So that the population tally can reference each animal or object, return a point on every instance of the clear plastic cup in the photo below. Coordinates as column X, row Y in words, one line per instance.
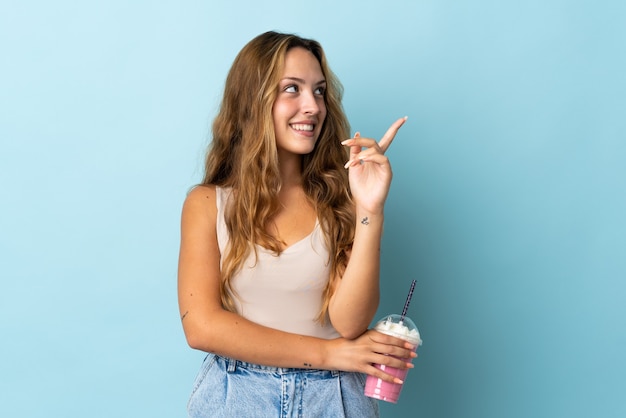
column 399, row 327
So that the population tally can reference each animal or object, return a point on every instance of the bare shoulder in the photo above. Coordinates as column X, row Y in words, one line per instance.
column 201, row 194
column 201, row 198
column 198, row 226
column 199, row 207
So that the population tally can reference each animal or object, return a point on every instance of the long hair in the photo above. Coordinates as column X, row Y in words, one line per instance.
column 243, row 156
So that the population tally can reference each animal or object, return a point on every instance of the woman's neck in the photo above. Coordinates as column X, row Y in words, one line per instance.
column 290, row 167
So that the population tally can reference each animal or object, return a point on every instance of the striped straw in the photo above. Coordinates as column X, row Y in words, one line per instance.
column 408, row 300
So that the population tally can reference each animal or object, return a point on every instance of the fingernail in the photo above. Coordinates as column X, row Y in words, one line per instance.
column 398, row 381
column 347, row 164
column 345, row 142
column 410, row 365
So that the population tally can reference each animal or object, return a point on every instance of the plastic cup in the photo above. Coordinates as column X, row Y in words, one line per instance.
column 399, row 327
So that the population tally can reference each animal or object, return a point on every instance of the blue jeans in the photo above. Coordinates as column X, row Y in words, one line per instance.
column 231, row 388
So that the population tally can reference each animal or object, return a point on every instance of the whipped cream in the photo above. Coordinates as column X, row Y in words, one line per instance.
column 402, row 329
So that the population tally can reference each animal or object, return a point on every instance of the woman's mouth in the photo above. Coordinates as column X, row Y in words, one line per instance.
column 302, row 127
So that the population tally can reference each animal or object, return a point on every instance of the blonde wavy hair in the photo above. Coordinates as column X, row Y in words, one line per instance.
column 243, row 156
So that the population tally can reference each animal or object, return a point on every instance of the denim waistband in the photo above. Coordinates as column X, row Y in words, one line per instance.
column 233, row 364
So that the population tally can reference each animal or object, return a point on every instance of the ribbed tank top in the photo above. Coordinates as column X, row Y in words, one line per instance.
column 282, row 292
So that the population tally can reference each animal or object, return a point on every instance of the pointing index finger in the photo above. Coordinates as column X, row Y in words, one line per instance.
column 391, row 133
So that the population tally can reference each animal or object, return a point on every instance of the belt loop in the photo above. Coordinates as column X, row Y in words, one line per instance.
column 335, row 373
column 232, row 365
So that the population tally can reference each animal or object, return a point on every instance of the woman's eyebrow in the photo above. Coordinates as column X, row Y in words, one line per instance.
column 301, row 81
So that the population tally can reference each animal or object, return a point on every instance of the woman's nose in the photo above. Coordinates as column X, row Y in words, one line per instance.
column 310, row 104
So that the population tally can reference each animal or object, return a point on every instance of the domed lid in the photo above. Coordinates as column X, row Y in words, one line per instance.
column 399, row 327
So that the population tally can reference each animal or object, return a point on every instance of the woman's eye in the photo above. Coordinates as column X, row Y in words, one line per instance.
column 291, row 89
column 320, row 91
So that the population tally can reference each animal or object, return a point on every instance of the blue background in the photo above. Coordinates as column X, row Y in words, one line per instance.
column 507, row 205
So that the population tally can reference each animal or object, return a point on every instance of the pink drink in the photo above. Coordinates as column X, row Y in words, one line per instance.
column 405, row 329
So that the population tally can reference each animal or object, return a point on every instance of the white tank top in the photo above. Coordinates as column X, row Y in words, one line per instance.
column 281, row 292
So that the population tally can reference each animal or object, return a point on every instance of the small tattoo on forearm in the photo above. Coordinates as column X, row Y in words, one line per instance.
column 184, row 315
column 365, row 221
column 309, row 365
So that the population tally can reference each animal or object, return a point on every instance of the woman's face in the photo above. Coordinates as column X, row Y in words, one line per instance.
column 299, row 110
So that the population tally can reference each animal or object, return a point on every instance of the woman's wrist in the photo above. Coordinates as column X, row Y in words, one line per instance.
column 366, row 216
column 327, row 354
column 369, row 221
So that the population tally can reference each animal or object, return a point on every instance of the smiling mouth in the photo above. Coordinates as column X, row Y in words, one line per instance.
column 303, row 127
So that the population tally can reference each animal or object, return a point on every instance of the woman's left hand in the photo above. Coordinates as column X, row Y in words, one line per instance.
column 370, row 172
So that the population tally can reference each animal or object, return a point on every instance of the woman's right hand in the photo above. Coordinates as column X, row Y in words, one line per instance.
column 372, row 347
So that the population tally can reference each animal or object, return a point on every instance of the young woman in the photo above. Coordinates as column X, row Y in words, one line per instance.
column 280, row 245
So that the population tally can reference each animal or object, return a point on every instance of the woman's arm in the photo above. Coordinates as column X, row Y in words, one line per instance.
column 208, row 327
column 356, row 296
column 355, row 299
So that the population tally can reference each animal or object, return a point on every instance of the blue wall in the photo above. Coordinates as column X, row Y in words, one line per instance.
column 507, row 205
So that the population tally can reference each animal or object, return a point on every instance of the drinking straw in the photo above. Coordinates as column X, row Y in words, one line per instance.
column 408, row 300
